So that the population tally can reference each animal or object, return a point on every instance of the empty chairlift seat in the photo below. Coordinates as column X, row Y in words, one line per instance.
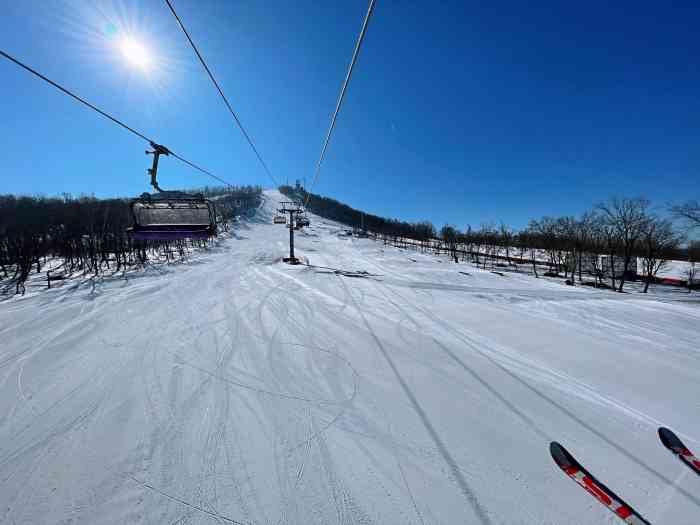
column 279, row 219
column 172, row 215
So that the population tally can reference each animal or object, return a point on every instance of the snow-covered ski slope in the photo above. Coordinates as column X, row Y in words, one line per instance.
column 237, row 389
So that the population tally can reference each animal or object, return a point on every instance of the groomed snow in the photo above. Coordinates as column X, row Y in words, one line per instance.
column 237, row 389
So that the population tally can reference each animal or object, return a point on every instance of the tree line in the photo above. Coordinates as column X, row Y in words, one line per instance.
column 617, row 240
column 339, row 212
column 86, row 234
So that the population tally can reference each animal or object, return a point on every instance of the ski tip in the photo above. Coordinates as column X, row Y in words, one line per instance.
column 560, row 455
column 669, row 439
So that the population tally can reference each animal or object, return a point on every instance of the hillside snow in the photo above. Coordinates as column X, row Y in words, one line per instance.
column 237, row 389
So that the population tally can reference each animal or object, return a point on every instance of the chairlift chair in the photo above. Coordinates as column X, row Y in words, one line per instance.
column 170, row 215
column 279, row 219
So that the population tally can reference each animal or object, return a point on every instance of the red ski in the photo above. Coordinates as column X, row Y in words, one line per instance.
column 672, row 442
column 603, row 494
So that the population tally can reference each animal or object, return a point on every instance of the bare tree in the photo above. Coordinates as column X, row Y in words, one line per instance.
column 506, row 234
column 543, row 233
column 693, row 263
column 569, row 245
column 657, row 240
column 449, row 235
column 583, row 232
column 528, row 242
column 688, row 212
column 610, row 244
column 627, row 218
column 489, row 234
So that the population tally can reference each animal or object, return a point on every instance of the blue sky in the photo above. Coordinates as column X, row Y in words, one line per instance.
column 458, row 112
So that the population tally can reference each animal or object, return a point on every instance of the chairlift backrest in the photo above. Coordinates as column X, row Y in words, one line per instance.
column 172, row 216
column 171, row 213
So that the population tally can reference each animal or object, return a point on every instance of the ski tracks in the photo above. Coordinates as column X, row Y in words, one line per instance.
column 468, row 493
column 489, row 353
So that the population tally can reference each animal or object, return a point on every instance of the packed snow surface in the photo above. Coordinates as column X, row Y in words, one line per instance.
column 234, row 388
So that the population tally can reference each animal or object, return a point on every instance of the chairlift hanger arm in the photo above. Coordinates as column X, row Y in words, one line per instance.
column 158, row 150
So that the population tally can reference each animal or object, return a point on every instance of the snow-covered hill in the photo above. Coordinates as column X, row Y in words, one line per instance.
column 238, row 389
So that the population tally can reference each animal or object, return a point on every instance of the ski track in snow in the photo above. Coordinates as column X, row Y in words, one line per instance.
column 372, row 386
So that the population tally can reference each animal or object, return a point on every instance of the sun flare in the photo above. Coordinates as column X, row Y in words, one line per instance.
column 135, row 52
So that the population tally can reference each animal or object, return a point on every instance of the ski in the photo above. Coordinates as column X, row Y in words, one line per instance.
column 603, row 494
column 672, row 442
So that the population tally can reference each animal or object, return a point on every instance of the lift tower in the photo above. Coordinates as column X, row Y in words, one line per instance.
column 294, row 209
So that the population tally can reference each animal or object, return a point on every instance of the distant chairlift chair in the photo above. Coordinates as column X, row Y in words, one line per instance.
column 279, row 219
column 170, row 215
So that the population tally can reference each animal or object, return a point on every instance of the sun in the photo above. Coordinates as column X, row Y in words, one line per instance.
column 135, row 52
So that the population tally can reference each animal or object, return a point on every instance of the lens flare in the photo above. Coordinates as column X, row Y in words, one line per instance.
column 135, row 53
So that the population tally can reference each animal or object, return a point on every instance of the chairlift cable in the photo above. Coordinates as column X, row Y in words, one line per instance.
column 76, row 97
column 106, row 115
column 193, row 165
column 341, row 97
column 221, row 92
